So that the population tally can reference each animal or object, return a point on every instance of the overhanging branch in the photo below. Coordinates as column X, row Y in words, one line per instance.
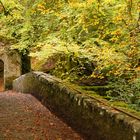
column 4, row 9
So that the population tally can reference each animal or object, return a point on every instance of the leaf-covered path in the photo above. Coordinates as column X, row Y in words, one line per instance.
column 23, row 117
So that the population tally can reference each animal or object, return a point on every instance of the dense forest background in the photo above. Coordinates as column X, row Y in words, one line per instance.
column 88, row 42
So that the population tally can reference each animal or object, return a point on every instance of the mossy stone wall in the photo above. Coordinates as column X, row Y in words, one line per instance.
column 93, row 119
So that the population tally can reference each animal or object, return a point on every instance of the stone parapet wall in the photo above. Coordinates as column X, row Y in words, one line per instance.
column 94, row 120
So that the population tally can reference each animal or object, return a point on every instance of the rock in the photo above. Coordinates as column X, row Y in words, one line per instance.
column 90, row 81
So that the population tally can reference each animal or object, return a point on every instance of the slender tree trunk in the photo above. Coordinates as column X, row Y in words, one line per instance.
column 4, row 9
column 2, row 6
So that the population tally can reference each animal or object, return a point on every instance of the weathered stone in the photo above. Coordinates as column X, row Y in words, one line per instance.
column 12, row 64
column 94, row 120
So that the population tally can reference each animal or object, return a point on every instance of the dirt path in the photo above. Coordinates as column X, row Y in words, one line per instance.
column 22, row 117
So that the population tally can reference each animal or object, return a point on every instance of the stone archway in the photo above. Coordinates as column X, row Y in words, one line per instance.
column 1, row 75
column 12, row 64
column 10, row 67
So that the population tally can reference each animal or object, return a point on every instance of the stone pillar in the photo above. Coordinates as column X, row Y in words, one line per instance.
column 12, row 68
column 15, row 64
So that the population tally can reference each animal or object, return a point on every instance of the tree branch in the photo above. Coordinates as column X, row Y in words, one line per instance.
column 4, row 9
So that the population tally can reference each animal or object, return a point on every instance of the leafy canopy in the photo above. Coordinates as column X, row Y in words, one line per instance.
column 105, row 31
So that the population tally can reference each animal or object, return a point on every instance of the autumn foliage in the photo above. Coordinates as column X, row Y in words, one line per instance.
column 106, row 32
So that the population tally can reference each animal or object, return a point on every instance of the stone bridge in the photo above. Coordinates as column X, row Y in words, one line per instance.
column 23, row 117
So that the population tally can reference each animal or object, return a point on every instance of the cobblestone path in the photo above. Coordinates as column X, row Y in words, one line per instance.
column 23, row 117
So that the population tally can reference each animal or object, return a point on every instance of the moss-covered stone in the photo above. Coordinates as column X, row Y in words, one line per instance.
column 92, row 118
column 66, row 66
